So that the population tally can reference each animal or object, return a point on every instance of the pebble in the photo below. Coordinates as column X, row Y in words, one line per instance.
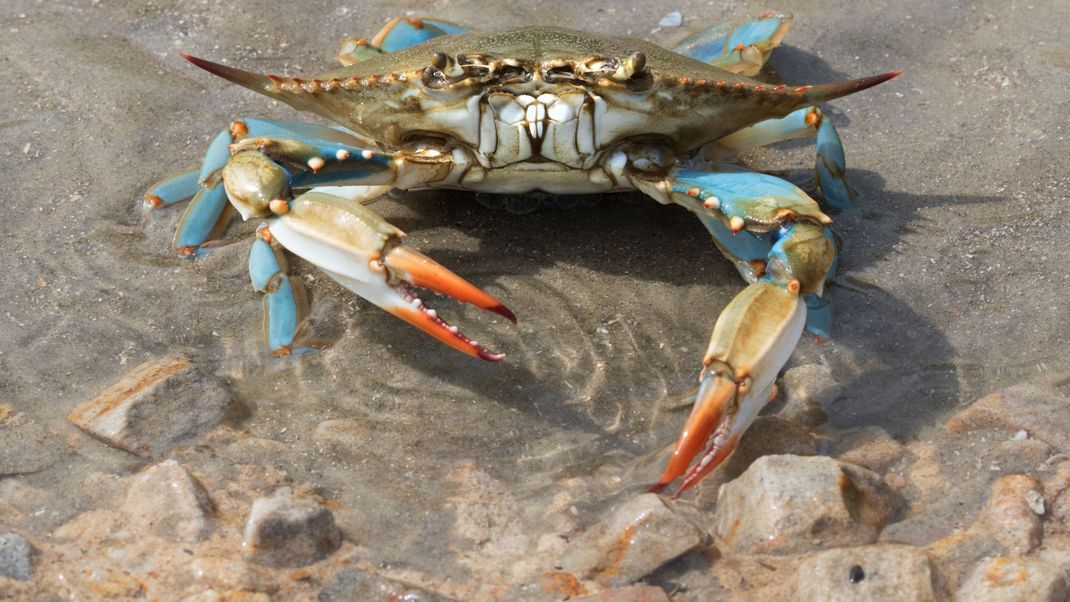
column 673, row 19
column 155, row 406
column 791, row 504
column 355, row 584
column 167, row 500
column 286, row 531
column 1009, row 516
column 880, row 572
column 631, row 541
column 1013, row 580
column 15, row 557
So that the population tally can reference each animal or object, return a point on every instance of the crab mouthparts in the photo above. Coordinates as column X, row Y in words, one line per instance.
column 410, row 270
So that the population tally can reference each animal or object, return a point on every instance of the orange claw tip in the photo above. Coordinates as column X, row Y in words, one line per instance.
column 706, row 414
column 439, row 329
column 503, row 311
column 153, row 201
column 425, row 272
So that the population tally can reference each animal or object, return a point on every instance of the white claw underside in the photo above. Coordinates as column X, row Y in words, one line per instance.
column 352, row 266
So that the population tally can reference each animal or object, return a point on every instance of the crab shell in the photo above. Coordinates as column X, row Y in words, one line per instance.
column 536, row 95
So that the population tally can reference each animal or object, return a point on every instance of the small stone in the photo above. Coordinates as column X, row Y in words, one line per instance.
column 635, row 593
column 869, row 447
column 285, row 531
column 168, row 501
column 155, row 406
column 880, row 572
column 673, row 19
column 808, row 390
column 1013, row 580
column 1008, row 515
column 636, row 538
column 1035, row 407
column 792, row 504
column 15, row 557
column 1035, row 501
column 355, row 584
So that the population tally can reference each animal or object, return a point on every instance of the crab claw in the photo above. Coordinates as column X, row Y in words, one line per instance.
column 751, row 342
column 363, row 252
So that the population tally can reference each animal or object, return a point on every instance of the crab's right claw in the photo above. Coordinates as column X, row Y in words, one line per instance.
column 363, row 252
column 751, row 342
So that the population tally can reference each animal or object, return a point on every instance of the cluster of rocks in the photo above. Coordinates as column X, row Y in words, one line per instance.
column 870, row 523
column 871, row 519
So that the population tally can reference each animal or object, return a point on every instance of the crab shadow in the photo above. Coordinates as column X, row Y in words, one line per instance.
column 909, row 373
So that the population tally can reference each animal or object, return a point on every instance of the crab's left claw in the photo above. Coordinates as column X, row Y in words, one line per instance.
column 363, row 252
column 751, row 342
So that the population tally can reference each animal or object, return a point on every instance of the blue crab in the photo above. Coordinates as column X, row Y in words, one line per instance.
column 426, row 104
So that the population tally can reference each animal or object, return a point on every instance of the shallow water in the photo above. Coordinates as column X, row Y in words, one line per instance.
column 952, row 282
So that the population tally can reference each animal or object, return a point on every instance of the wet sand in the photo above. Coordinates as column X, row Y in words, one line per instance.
column 951, row 282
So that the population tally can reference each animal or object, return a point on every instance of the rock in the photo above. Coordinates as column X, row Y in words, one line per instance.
column 1013, row 580
column 869, row 447
column 168, row 501
column 808, row 390
column 673, row 19
column 1038, row 408
column 1057, row 489
column 954, row 555
column 792, row 504
column 285, row 531
column 15, row 557
column 155, row 406
column 28, row 448
column 636, row 538
column 355, row 584
column 636, row 593
column 1009, row 514
column 880, row 572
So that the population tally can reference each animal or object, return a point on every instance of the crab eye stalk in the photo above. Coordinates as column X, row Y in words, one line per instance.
column 444, row 70
column 440, row 61
column 632, row 72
